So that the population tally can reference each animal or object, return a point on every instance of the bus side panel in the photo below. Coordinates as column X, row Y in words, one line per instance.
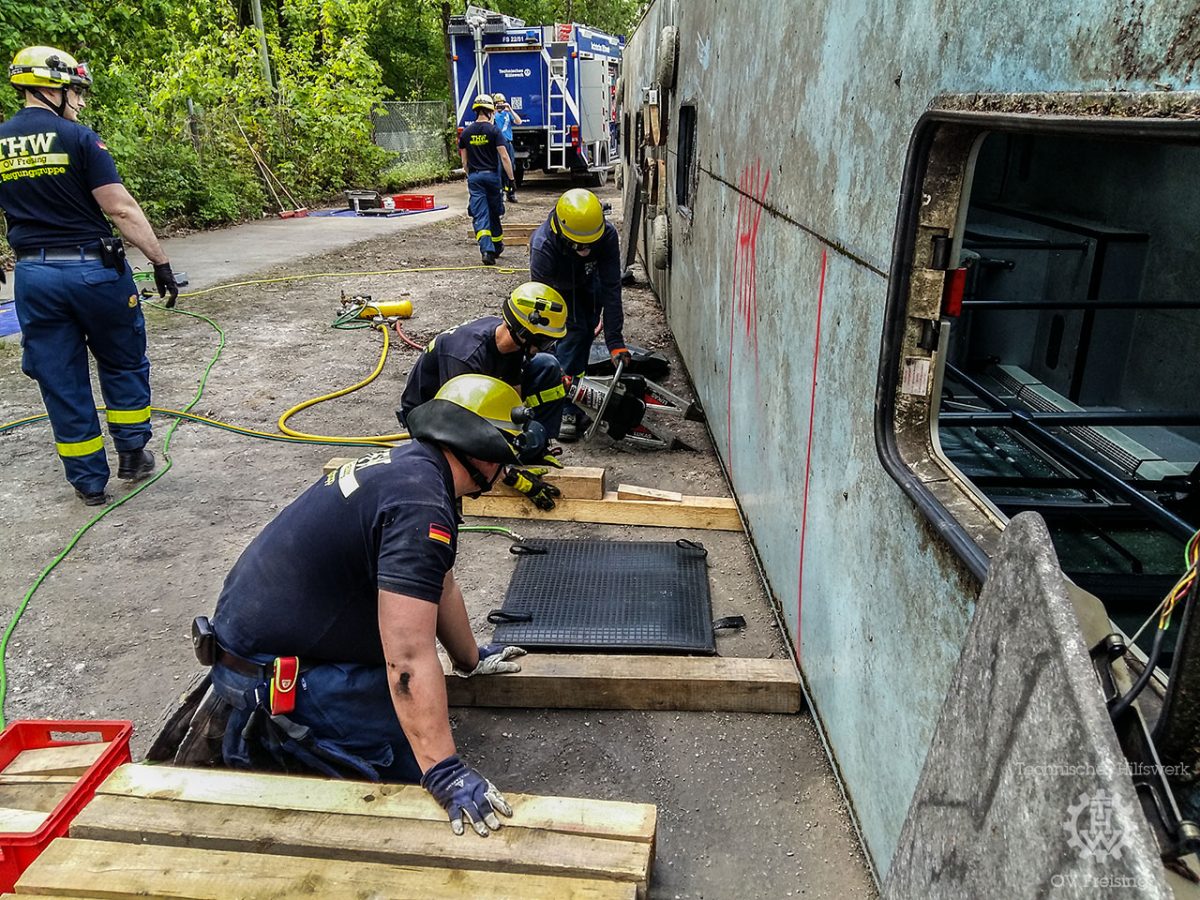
column 776, row 291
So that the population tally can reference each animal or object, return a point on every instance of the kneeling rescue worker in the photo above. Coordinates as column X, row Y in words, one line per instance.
column 515, row 348
column 324, row 640
column 74, row 290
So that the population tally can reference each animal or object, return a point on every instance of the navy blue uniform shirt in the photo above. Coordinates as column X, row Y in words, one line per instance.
column 588, row 283
column 480, row 140
column 308, row 584
column 467, row 348
column 48, row 170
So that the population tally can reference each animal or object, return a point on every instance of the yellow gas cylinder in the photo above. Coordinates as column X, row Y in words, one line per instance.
column 400, row 309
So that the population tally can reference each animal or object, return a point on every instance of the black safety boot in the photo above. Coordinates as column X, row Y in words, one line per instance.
column 489, row 258
column 134, row 465
column 97, row 498
column 512, row 196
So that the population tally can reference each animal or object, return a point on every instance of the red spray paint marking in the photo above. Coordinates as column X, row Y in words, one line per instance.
column 812, row 408
column 745, row 281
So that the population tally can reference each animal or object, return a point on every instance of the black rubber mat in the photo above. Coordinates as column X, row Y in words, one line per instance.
column 608, row 595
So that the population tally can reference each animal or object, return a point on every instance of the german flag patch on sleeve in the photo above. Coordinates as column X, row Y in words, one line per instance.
column 439, row 533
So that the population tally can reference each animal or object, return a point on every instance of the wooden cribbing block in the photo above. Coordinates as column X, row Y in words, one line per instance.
column 575, row 482
column 67, row 759
column 18, row 820
column 41, row 797
column 603, row 681
column 594, row 818
column 712, row 513
column 70, row 867
column 391, row 840
column 633, row 492
column 336, row 463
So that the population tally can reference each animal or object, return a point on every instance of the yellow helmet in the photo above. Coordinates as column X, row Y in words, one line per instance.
column 484, row 101
column 472, row 414
column 499, row 98
column 578, row 217
column 48, row 67
column 536, row 313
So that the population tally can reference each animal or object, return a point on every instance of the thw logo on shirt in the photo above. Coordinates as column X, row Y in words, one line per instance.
column 479, row 140
column 28, row 144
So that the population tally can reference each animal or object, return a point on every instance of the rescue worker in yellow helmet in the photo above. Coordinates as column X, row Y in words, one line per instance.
column 577, row 252
column 353, row 585
column 483, row 153
column 74, row 291
column 515, row 348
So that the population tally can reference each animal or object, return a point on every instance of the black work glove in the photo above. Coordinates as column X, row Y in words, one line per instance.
column 620, row 354
column 463, row 792
column 530, row 483
column 164, row 280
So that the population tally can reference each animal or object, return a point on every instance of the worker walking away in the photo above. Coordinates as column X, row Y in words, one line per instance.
column 506, row 118
column 74, row 291
column 577, row 252
column 481, row 147
column 324, row 640
column 515, row 348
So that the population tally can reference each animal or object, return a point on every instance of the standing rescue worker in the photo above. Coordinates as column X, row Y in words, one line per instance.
column 514, row 348
column 481, row 148
column 506, row 117
column 324, row 640
column 74, row 290
column 577, row 252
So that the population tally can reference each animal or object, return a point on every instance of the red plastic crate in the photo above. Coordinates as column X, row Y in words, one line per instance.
column 19, row 849
column 413, row 201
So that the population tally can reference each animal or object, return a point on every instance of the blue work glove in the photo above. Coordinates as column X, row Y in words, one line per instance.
column 494, row 660
column 464, row 793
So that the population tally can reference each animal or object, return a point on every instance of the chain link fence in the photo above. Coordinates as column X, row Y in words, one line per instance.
column 415, row 132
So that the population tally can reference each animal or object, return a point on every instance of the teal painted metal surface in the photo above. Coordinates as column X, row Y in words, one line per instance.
column 776, row 295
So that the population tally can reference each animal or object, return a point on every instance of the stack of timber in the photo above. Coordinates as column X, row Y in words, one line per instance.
column 201, row 833
column 516, row 234
column 37, row 780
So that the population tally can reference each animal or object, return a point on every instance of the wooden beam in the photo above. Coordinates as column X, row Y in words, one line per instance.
column 575, row 482
column 41, row 797
column 70, row 867
column 21, row 820
column 323, row 835
column 603, row 681
column 336, row 463
column 594, row 818
column 712, row 513
column 633, row 492
column 67, row 759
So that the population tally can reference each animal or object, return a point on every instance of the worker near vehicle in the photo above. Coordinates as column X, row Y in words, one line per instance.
column 481, row 148
column 74, row 290
column 506, row 117
column 324, row 640
column 513, row 347
column 577, row 252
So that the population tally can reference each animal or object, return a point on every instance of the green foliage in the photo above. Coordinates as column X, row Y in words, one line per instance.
column 180, row 97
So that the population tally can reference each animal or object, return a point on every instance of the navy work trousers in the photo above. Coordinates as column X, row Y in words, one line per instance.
column 67, row 307
column 542, row 391
column 486, row 208
column 344, row 724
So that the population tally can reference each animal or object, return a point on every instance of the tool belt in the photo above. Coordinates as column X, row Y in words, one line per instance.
column 110, row 251
column 209, row 651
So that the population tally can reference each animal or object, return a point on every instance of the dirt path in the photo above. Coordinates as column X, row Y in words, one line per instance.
column 742, row 799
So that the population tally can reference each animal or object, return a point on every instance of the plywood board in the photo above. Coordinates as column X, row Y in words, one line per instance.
column 711, row 513
column 575, row 482
column 70, row 867
column 336, row 463
column 596, row 818
column 69, row 759
column 610, row 681
column 633, row 492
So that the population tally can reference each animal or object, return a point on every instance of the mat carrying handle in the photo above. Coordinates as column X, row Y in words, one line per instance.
column 500, row 617
column 685, row 544
column 526, row 550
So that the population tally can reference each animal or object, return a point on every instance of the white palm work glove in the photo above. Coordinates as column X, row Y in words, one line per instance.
column 494, row 660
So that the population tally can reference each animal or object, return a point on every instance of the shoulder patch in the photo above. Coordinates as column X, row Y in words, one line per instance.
column 439, row 533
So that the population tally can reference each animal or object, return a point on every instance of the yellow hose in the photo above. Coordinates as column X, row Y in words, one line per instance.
column 384, row 440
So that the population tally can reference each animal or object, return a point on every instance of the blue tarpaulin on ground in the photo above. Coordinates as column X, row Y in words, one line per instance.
column 8, row 319
column 373, row 214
